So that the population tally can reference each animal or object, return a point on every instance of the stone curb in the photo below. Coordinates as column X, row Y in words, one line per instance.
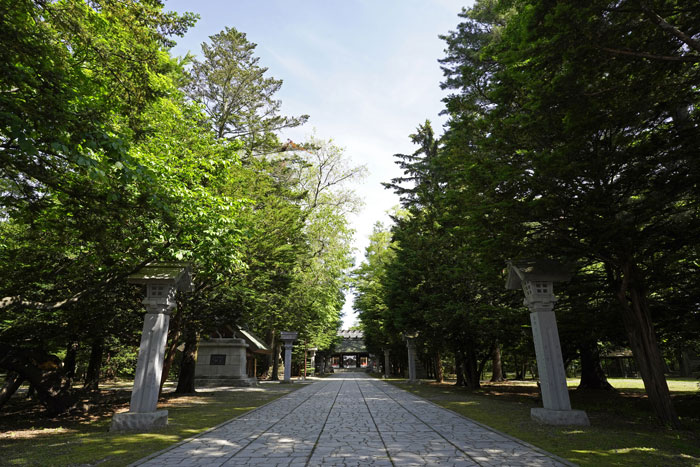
column 505, row 435
column 143, row 460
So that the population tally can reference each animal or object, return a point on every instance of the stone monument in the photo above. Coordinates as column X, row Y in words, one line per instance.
column 162, row 281
column 222, row 362
column 288, row 338
column 536, row 278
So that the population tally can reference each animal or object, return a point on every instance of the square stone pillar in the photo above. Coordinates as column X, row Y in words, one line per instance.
column 288, row 338
column 149, row 366
column 162, row 282
column 387, row 363
column 537, row 281
column 411, row 346
column 550, row 364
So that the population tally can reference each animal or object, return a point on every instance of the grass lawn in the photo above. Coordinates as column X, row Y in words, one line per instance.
column 623, row 430
column 27, row 437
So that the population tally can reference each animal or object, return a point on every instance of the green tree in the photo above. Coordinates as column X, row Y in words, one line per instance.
column 370, row 294
column 316, row 295
column 129, row 176
column 70, row 100
column 239, row 99
column 441, row 283
column 586, row 145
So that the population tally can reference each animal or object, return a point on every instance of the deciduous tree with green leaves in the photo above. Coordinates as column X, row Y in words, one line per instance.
column 106, row 167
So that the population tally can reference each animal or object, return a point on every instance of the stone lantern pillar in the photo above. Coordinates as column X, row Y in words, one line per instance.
column 536, row 278
column 288, row 338
column 387, row 363
column 411, row 346
column 312, row 357
column 162, row 281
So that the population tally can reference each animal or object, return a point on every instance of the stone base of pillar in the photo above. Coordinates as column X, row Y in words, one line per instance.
column 559, row 417
column 214, row 382
column 286, row 381
column 139, row 421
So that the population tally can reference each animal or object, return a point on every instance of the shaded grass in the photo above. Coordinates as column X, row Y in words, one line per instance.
column 623, row 430
column 27, row 437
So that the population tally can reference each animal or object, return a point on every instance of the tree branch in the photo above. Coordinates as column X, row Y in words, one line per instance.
column 6, row 302
column 668, row 58
column 669, row 28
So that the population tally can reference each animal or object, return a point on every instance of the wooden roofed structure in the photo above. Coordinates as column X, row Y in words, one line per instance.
column 351, row 352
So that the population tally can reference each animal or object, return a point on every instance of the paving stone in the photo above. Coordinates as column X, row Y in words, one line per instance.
column 351, row 419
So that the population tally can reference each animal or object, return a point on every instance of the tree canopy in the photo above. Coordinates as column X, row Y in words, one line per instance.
column 572, row 134
column 115, row 154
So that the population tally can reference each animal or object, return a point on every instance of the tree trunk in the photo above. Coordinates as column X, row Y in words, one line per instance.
column 44, row 373
column 439, row 371
column 592, row 374
column 684, row 365
column 497, row 373
column 640, row 330
column 520, row 369
column 185, row 380
column 12, row 383
column 275, row 360
column 471, row 371
column 459, row 368
column 69, row 363
column 92, row 376
column 109, row 373
column 272, row 339
column 480, row 368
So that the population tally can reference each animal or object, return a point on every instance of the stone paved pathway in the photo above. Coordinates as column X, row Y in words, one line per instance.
column 352, row 420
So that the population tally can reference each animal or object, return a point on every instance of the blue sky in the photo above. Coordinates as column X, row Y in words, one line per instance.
column 365, row 71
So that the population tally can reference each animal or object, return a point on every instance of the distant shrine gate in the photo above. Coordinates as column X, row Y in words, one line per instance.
column 351, row 352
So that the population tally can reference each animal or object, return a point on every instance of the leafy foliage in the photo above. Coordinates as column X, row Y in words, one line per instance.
column 572, row 133
column 114, row 155
column 236, row 94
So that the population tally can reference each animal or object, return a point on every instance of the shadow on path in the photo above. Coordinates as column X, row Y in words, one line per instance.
column 351, row 419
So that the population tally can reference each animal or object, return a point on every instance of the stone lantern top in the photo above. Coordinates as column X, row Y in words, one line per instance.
column 162, row 280
column 537, row 270
column 536, row 278
column 176, row 275
column 410, row 338
column 288, row 335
